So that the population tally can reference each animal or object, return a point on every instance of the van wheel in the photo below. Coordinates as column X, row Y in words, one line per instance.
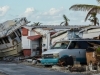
column 62, row 61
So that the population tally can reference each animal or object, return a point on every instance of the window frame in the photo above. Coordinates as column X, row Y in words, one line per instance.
column 6, row 40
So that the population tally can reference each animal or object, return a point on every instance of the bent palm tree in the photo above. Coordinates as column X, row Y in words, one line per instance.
column 93, row 10
column 66, row 21
column 37, row 24
column 92, row 18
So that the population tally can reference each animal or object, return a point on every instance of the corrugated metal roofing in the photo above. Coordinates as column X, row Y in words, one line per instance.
column 56, row 26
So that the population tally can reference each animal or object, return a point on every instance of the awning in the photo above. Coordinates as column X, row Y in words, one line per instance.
column 34, row 37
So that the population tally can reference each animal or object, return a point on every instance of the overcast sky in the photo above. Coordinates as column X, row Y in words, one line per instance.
column 45, row 11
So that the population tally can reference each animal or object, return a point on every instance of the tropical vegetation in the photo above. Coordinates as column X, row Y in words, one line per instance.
column 92, row 11
column 92, row 17
column 65, row 22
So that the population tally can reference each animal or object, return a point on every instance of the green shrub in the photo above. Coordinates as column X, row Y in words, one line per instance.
column 98, row 49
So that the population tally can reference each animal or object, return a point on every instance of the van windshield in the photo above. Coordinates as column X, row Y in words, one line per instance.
column 60, row 45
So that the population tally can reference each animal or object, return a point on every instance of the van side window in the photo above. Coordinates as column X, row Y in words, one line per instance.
column 72, row 45
column 83, row 44
column 79, row 45
column 60, row 45
column 63, row 45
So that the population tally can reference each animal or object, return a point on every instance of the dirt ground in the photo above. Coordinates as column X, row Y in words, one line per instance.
column 60, row 70
column 39, row 66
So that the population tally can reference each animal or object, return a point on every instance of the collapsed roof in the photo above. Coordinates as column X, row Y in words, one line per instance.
column 11, row 25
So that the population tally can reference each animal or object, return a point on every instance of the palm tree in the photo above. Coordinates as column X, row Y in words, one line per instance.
column 86, row 7
column 37, row 24
column 92, row 18
column 98, row 1
column 93, row 10
column 65, row 21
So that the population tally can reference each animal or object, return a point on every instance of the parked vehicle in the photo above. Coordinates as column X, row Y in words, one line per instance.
column 66, row 48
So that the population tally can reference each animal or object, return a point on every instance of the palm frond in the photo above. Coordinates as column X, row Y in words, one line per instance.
column 88, row 14
column 65, row 18
column 37, row 23
column 95, row 9
column 98, row 1
column 81, row 7
column 61, row 23
column 92, row 8
column 91, row 12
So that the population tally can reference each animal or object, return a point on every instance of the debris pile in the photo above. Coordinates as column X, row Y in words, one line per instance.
column 93, row 57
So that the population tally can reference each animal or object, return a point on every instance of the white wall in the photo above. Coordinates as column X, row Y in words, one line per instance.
column 25, row 43
column 91, row 33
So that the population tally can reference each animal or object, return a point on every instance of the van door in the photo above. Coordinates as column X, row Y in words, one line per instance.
column 75, row 50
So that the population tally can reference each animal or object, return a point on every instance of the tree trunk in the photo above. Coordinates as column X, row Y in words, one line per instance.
column 95, row 21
